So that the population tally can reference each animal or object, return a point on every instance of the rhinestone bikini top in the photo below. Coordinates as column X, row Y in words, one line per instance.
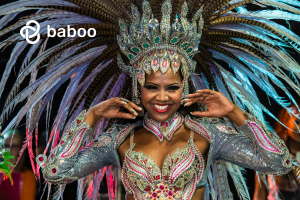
column 178, row 178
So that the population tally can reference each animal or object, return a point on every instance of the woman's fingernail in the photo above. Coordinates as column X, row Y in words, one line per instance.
column 134, row 111
column 185, row 104
column 192, row 113
column 140, row 108
column 133, row 117
column 123, row 102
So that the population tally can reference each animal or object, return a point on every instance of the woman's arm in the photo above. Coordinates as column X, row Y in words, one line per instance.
column 70, row 160
column 252, row 147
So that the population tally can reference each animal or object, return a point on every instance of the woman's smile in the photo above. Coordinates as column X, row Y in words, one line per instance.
column 161, row 108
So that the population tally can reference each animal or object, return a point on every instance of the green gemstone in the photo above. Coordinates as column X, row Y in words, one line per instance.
column 145, row 45
column 130, row 56
column 191, row 56
column 189, row 50
column 132, row 69
column 174, row 40
column 135, row 49
column 156, row 40
column 184, row 45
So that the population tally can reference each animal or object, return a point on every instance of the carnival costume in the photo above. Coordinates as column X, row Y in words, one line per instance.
column 137, row 37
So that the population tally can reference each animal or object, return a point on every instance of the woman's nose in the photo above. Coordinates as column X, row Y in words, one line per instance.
column 162, row 96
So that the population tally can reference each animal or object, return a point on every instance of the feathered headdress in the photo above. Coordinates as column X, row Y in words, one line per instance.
column 217, row 31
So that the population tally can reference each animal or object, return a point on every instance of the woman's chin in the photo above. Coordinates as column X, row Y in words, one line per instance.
column 161, row 117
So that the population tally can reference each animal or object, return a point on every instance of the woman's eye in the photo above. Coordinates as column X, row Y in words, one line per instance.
column 150, row 87
column 173, row 88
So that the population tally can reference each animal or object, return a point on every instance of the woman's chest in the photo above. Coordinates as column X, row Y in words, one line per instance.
column 176, row 175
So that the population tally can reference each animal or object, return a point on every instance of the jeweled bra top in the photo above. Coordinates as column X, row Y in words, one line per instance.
column 179, row 176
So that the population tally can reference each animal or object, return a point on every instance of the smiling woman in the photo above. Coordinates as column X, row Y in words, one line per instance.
column 185, row 120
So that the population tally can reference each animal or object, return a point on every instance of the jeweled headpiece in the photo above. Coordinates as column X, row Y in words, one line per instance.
column 150, row 45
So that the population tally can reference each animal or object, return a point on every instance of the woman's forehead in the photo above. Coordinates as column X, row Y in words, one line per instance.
column 160, row 77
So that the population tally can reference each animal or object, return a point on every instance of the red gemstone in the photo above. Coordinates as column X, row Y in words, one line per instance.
column 51, row 155
column 62, row 142
column 96, row 140
column 161, row 187
column 147, row 188
column 53, row 170
column 170, row 193
column 41, row 159
column 154, row 195
column 214, row 120
column 288, row 161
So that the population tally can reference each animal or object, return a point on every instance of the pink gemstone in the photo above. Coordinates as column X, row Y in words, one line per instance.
column 51, row 155
column 170, row 193
column 62, row 142
column 53, row 170
column 161, row 187
column 41, row 159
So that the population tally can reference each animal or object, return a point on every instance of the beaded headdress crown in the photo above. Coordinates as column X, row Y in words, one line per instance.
column 150, row 45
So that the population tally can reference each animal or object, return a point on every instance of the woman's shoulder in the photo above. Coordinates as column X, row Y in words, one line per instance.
column 118, row 132
column 207, row 127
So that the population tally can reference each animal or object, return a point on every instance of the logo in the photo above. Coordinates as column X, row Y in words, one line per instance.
column 26, row 30
column 52, row 32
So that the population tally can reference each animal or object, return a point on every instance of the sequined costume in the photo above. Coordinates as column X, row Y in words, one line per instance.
column 183, row 171
column 134, row 38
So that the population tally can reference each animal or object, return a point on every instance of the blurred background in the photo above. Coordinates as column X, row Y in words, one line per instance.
column 23, row 176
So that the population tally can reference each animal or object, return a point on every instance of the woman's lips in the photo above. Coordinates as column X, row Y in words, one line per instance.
column 161, row 108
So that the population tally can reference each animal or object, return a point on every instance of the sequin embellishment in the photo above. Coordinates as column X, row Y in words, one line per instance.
column 197, row 127
column 100, row 142
column 262, row 138
column 163, row 129
column 177, row 179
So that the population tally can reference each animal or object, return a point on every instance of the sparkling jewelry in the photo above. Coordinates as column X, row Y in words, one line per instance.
column 163, row 129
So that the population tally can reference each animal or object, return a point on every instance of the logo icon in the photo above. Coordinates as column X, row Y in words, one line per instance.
column 26, row 30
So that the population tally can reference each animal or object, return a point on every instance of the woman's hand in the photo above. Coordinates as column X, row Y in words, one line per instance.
column 218, row 106
column 111, row 109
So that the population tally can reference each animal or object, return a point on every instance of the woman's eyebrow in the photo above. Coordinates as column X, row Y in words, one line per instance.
column 174, row 84
column 151, row 83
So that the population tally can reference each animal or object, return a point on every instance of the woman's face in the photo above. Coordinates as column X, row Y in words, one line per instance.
column 161, row 94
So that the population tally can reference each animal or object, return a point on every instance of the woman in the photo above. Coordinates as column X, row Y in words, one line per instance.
column 288, row 185
column 167, row 50
column 197, row 142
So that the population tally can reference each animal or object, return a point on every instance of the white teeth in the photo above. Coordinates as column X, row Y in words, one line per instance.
column 161, row 107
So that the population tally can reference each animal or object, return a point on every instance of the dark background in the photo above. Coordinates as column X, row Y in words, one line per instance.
column 71, row 188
